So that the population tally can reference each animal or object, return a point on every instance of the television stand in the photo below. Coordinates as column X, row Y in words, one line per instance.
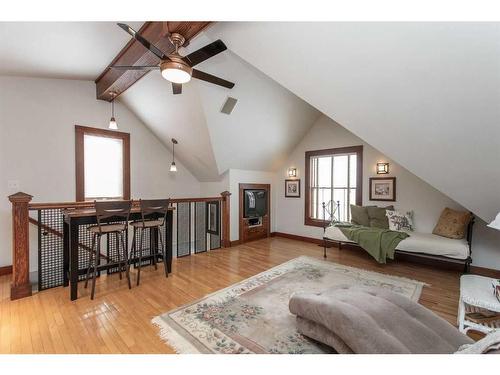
column 254, row 228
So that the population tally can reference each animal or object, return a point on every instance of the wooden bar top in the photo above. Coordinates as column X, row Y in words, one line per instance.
column 85, row 212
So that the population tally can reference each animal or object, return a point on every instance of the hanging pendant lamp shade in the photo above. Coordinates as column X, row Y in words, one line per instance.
column 112, row 122
column 173, row 167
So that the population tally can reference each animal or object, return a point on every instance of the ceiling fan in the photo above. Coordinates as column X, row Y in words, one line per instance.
column 176, row 68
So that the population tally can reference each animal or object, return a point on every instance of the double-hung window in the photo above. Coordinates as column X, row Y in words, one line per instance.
column 102, row 164
column 333, row 177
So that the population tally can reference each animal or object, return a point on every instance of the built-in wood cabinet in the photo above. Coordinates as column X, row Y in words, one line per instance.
column 249, row 230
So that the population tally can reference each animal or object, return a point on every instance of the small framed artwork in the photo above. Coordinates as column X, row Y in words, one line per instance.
column 383, row 189
column 292, row 188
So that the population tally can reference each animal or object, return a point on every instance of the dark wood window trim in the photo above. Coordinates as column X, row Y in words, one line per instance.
column 80, row 132
column 331, row 151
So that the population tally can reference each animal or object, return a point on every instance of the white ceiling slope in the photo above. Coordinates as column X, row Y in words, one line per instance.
column 267, row 122
column 174, row 116
column 425, row 94
column 66, row 50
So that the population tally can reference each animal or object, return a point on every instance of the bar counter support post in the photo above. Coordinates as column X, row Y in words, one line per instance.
column 21, row 286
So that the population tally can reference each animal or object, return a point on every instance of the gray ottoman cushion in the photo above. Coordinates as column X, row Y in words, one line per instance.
column 322, row 334
column 374, row 320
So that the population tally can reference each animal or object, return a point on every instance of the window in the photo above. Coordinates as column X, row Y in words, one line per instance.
column 102, row 164
column 333, row 177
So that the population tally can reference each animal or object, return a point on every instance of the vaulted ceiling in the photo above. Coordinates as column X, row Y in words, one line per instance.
column 425, row 94
column 267, row 122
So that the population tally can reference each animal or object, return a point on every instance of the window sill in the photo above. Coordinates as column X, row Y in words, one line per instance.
column 315, row 222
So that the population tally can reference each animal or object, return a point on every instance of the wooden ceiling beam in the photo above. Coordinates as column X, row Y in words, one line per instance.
column 134, row 53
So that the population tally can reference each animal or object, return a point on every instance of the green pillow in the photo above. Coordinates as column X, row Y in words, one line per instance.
column 359, row 215
column 377, row 217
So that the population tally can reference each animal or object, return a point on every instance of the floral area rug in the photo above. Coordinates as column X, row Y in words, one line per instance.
column 253, row 317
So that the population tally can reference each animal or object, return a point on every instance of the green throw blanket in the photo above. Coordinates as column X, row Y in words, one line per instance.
column 379, row 243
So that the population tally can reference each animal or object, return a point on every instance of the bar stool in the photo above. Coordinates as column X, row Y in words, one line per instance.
column 118, row 211
column 153, row 217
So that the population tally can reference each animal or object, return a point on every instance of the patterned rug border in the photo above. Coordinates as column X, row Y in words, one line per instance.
column 182, row 346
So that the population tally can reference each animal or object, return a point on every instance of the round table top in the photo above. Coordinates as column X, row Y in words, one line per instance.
column 478, row 291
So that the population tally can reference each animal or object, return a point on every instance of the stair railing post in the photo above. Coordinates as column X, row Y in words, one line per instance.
column 226, row 219
column 21, row 286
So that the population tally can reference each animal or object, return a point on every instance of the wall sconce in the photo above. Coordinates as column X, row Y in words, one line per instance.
column 292, row 172
column 382, row 168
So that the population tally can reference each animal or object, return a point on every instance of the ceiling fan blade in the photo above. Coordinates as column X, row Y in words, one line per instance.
column 143, row 41
column 212, row 79
column 177, row 88
column 135, row 67
column 205, row 53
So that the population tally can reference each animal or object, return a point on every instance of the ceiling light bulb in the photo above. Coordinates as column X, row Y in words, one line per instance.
column 176, row 75
column 176, row 70
column 173, row 167
column 112, row 124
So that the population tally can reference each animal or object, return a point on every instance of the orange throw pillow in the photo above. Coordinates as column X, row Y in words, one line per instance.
column 452, row 224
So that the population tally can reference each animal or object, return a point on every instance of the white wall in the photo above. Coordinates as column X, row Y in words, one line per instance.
column 412, row 192
column 37, row 118
column 213, row 189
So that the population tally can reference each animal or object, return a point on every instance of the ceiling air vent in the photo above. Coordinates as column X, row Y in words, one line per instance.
column 228, row 106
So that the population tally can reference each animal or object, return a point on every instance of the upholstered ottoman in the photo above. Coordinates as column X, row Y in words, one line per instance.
column 354, row 319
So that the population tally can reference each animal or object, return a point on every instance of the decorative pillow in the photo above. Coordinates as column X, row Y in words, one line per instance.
column 452, row 224
column 359, row 215
column 377, row 216
column 399, row 221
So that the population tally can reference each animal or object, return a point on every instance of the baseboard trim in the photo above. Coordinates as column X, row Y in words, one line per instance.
column 488, row 272
column 5, row 270
column 235, row 243
column 298, row 238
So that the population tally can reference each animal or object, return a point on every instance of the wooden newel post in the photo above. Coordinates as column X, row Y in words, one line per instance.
column 20, row 286
column 226, row 219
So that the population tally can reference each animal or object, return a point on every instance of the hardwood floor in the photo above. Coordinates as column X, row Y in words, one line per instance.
column 118, row 320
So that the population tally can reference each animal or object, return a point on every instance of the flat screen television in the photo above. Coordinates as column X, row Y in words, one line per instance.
column 255, row 203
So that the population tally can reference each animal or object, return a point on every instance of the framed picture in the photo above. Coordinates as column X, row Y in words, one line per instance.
column 292, row 188
column 383, row 189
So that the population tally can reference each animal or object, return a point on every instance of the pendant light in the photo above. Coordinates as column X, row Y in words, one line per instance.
column 173, row 167
column 112, row 122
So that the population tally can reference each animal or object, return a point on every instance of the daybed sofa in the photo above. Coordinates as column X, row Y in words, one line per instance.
column 418, row 244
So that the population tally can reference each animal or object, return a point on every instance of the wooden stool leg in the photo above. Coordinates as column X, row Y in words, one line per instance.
column 97, row 261
column 141, row 248
column 125, row 250
column 91, row 259
column 163, row 252
column 154, row 243
column 133, row 254
column 117, row 243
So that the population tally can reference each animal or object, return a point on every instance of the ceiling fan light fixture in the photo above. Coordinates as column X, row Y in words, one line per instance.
column 176, row 72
